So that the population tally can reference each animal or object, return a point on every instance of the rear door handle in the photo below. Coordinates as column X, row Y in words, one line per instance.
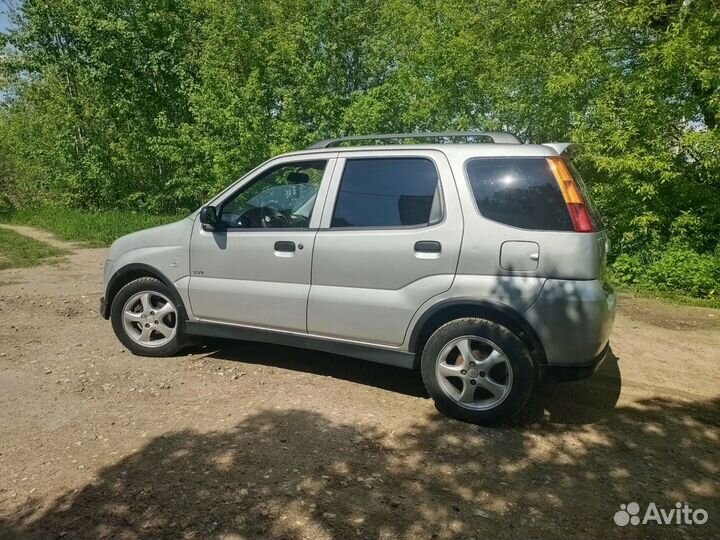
column 284, row 245
column 428, row 246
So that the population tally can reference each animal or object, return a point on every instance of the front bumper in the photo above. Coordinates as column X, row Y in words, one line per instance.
column 108, row 271
column 104, row 309
column 556, row 373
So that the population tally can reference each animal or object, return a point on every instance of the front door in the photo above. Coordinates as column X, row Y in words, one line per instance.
column 255, row 270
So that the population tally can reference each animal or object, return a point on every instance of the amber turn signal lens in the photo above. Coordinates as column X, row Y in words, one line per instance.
column 578, row 210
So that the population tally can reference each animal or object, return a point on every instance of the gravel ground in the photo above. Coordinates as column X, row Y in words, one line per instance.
column 238, row 440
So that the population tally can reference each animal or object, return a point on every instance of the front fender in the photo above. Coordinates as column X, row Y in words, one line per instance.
column 130, row 272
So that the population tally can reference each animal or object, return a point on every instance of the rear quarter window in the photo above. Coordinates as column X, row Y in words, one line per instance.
column 521, row 192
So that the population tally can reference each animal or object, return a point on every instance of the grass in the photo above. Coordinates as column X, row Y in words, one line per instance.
column 95, row 229
column 642, row 290
column 17, row 251
column 667, row 297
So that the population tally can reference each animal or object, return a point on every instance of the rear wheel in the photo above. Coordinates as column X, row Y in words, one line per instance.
column 477, row 371
column 146, row 319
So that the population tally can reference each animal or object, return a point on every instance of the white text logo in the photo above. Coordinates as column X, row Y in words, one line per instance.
column 681, row 514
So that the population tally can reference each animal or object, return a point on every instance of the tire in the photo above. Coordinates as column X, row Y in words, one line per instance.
column 490, row 383
column 147, row 318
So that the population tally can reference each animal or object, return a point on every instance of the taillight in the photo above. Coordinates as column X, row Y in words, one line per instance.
column 577, row 207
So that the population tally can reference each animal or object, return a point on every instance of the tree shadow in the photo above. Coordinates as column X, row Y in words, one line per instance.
column 294, row 474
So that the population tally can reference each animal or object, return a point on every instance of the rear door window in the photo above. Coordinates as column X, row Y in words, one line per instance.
column 521, row 192
column 388, row 192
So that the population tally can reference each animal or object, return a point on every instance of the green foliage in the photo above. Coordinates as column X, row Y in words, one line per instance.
column 153, row 105
column 678, row 269
column 18, row 251
column 682, row 269
column 92, row 228
column 628, row 269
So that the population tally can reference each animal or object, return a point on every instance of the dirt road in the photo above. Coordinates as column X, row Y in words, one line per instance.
column 238, row 440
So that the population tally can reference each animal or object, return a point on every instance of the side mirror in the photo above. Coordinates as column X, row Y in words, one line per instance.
column 209, row 218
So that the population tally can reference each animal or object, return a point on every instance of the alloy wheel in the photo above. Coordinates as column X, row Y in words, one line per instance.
column 474, row 372
column 150, row 319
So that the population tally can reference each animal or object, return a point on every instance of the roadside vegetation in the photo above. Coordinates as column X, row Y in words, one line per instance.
column 672, row 298
column 17, row 251
column 147, row 110
column 677, row 273
column 94, row 228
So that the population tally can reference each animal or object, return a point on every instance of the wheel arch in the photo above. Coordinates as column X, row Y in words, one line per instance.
column 131, row 272
column 445, row 311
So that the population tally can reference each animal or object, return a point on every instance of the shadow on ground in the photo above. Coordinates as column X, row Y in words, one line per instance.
column 578, row 403
column 296, row 474
column 389, row 378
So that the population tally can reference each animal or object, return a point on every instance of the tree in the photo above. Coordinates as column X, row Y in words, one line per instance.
column 155, row 104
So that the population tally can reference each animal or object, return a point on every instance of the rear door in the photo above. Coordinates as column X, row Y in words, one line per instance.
column 389, row 240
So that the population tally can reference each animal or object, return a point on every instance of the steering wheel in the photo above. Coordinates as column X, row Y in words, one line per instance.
column 272, row 216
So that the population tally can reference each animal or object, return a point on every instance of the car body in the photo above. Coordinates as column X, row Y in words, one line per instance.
column 367, row 251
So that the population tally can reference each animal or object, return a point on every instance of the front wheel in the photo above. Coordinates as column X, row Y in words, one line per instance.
column 477, row 371
column 146, row 319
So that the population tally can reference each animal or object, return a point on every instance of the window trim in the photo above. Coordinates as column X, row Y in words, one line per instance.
column 474, row 200
column 337, row 182
column 251, row 179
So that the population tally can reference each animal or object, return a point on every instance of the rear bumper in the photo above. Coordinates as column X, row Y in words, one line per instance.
column 556, row 373
column 573, row 320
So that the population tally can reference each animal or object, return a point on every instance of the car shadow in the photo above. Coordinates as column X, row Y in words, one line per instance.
column 391, row 378
column 586, row 401
column 580, row 402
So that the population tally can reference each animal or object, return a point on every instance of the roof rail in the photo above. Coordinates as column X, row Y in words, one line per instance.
column 498, row 137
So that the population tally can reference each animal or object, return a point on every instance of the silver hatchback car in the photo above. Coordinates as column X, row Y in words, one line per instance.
column 482, row 264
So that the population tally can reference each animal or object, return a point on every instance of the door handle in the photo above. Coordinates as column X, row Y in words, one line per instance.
column 534, row 256
column 284, row 245
column 428, row 246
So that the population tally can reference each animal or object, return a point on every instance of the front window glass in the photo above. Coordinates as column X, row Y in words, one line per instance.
column 282, row 197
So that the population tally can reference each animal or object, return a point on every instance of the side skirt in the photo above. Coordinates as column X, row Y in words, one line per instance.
column 364, row 352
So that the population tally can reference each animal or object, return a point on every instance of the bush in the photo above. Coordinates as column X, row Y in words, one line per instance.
column 683, row 270
column 679, row 270
column 627, row 269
